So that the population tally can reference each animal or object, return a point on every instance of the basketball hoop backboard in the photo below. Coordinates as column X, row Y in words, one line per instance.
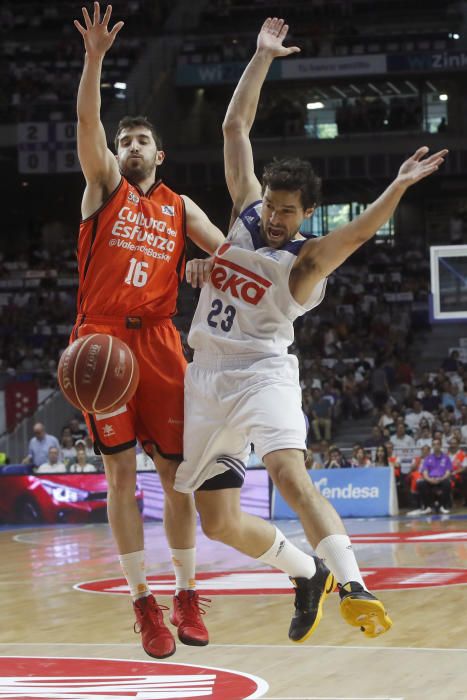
column 448, row 265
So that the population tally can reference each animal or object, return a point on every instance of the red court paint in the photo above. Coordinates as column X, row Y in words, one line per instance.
column 270, row 582
column 25, row 678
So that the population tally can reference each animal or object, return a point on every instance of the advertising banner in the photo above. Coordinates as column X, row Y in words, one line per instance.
column 427, row 62
column 30, row 498
column 333, row 66
column 354, row 493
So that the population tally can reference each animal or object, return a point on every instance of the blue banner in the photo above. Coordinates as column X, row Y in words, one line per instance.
column 434, row 61
column 354, row 493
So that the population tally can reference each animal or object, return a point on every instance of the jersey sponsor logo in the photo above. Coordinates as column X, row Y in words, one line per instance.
column 224, row 247
column 271, row 582
column 115, row 679
column 108, row 430
column 168, row 210
column 140, row 248
column 134, row 226
column 238, row 281
column 133, row 197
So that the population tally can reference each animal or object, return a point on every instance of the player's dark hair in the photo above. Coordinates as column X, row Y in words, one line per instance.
column 131, row 122
column 292, row 175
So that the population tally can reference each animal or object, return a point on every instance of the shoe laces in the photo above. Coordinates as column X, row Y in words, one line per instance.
column 304, row 597
column 194, row 606
column 152, row 612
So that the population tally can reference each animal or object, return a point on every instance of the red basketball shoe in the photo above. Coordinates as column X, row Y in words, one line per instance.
column 186, row 615
column 156, row 638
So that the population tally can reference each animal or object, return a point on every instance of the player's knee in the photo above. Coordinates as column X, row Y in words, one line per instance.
column 294, row 485
column 166, row 471
column 121, row 484
column 216, row 528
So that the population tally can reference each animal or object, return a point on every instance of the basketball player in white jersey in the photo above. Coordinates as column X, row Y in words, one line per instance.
column 243, row 385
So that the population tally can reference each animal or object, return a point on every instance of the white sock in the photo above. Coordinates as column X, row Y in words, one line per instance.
column 184, row 563
column 134, row 570
column 337, row 553
column 287, row 557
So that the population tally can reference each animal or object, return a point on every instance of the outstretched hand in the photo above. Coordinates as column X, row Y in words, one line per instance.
column 271, row 36
column 198, row 271
column 417, row 166
column 96, row 35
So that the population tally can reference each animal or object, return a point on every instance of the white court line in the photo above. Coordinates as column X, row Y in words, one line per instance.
column 334, row 697
column 247, row 646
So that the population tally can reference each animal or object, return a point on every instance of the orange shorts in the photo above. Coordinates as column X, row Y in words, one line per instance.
column 154, row 416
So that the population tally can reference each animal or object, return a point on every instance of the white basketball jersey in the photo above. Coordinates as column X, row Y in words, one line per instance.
column 246, row 308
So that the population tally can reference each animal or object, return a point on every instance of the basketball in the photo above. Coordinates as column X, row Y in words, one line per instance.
column 98, row 373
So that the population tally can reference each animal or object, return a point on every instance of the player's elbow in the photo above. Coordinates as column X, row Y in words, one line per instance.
column 234, row 125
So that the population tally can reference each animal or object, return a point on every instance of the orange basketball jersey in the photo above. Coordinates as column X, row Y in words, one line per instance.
column 131, row 254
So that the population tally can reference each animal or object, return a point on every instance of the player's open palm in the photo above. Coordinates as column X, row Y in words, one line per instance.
column 418, row 166
column 97, row 37
column 271, row 36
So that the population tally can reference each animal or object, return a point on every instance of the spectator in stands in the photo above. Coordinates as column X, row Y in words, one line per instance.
column 336, row 459
column 350, row 399
column 414, row 417
column 53, row 464
column 447, row 434
column 452, row 363
column 78, row 432
column 392, row 427
column 89, row 447
column 361, row 459
column 425, row 438
column 435, row 486
column 81, row 464
column 39, row 445
column 459, row 467
column 448, row 395
column 68, row 450
column 430, row 401
column 401, row 441
column 376, row 438
column 381, row 457
column 386, row 417
column 413, row 478
column 395, row 462
column 320, row 415
column 400, row 420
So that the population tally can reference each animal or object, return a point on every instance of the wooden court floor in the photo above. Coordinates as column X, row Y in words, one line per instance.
column 423, row 657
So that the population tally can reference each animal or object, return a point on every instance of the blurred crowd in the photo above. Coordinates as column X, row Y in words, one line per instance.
column 422, row 433
column 71, row 453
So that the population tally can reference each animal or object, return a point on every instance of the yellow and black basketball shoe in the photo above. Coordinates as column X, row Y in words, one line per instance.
column 362, row 609
column 310, row 594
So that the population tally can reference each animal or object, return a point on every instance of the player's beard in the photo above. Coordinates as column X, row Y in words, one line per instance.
column 138, row 169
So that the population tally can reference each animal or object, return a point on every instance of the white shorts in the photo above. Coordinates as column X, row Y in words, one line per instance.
column 226, row 409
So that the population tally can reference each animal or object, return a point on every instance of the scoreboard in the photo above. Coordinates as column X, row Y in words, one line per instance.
column 47, row 147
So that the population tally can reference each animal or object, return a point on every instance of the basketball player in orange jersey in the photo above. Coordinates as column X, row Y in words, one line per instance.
column 131, row 256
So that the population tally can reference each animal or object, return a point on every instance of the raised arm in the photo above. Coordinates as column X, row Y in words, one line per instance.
column 321, row 256
column 99, row 165
column 242, row 182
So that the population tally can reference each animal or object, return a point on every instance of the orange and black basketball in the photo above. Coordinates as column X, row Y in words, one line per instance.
column 98, row 373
